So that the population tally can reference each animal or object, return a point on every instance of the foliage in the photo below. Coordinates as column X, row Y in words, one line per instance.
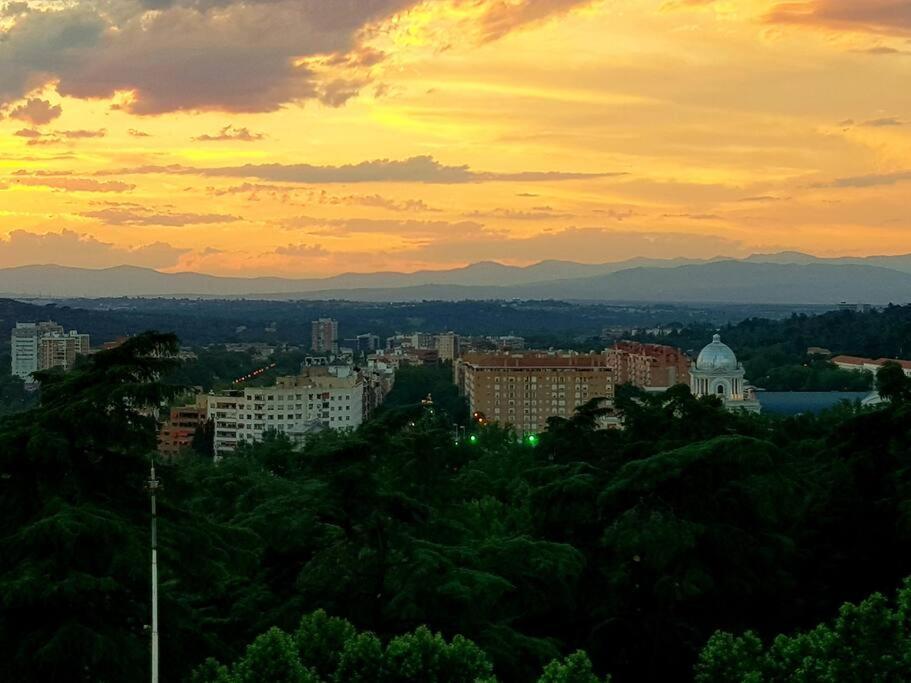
column 482, row 558
column 870, row 641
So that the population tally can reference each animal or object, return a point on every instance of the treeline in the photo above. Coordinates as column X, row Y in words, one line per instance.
column 775, row 352
column 633, row 546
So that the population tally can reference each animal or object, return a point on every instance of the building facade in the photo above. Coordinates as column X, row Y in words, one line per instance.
column 176, row 434
column 448, row 346
column 296, row 406
column 716, row 372
column 324, row 335
column 44, row 345
column 650, row 366
column 525, row 389
column 859, row 364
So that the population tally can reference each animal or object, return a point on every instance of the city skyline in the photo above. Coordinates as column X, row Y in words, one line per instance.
column 405, row 135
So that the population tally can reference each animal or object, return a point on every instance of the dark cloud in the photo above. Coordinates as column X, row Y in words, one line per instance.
column 873, row 16
column 138, row 133
column 229, row 132
column 75, row 184
column 178, row 56
column 70, row 248
column 419, row 169
column 36, row 111
column 142, row 216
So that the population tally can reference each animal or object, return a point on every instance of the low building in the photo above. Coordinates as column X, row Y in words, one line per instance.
column 525, row 389
column 716, row 372
column 176, row 434
column 860, row 364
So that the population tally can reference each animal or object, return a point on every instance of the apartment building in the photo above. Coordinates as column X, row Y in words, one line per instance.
column 447, row 344
column 525, row 389
column 297, row 405
column 324, row 335
column 44, row 345
column 650, row 366
column 176, row 434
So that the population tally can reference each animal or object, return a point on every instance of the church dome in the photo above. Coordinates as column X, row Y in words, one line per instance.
column 716, row 356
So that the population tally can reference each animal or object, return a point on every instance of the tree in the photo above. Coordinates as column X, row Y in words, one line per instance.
column 576, row 668
column 892, row 383
column 73, row 518
column 870, row 641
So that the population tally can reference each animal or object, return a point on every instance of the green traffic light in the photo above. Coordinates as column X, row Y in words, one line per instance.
column 532, row 439
column 473, row 438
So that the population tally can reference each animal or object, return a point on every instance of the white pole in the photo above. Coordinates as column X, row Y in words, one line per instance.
column 153, row 486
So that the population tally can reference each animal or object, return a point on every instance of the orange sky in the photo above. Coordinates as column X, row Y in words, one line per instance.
column 310, row 137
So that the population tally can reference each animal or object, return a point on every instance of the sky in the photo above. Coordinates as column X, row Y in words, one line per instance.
column 314, row 137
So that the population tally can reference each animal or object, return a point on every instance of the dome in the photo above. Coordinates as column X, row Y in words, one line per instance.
column 716, row 356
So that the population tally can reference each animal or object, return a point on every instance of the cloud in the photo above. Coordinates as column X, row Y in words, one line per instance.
column 36, row 111
column 374, row 200
column 69, row 248
column 882, row 50
column 594, row 244
column 872, row 16
column 36, row 137
column 419, row 169
column 543, row 214
column 883, row 123
column 761, row 199
column 140, row 216
column 306, row 251
column 871, row 180
column 138, row 133
column 501, row 18
column 173, row 55
column 408, row 229
column 695, row 216
column 229, row 132
column 75, row 184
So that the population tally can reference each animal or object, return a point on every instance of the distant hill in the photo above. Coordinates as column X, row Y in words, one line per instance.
column 785, row 277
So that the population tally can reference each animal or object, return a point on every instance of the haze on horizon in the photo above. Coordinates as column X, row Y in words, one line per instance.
column 309, row 138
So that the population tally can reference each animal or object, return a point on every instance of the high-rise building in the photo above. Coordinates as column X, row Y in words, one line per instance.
column 448, row 346
column 324, row 335
column 525, row 389
column 44, row 345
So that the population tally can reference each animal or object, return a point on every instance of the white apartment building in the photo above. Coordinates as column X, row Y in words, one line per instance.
column 296, row 406
column 44, row 345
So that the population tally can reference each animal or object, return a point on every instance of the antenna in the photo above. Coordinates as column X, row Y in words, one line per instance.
column 154, row 484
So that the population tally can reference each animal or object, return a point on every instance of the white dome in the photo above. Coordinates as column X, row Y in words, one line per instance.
column 716, row 356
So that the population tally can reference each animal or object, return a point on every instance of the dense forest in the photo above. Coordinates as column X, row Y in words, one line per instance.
column 693, row 544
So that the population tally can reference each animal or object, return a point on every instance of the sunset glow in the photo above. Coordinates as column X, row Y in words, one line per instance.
column 365, row 135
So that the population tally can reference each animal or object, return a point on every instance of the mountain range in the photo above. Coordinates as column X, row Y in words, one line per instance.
column 784, row 277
